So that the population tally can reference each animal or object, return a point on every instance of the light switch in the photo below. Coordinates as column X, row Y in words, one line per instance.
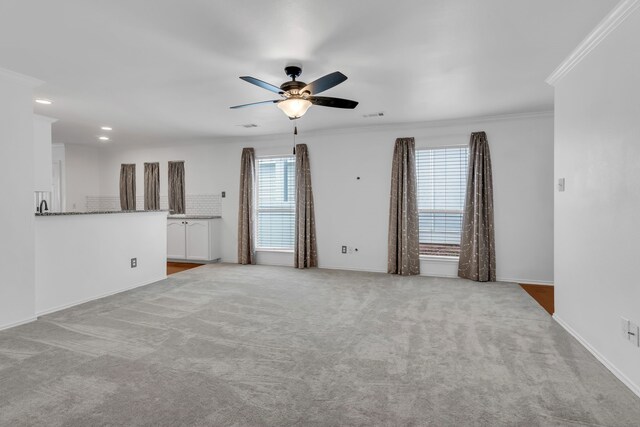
column 561, row 184
column 634, row 336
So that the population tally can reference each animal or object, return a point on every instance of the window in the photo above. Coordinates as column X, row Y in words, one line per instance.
column 276, row 209
column 442, row 184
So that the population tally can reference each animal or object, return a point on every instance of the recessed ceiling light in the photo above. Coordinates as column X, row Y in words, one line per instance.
column 44, row 101
column 106, row 128
column 103, row 138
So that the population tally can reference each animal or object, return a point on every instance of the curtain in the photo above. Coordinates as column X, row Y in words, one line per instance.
column 403, row 248
column 151, row 186
column 176, row 187
column 306, row 253
column 246, row 243
column 477, row 244
column 128, row 187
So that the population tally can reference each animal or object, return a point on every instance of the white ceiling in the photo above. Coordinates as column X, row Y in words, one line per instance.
column 166, row 71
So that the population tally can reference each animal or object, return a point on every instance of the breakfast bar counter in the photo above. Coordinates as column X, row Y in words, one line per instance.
column 81, row 256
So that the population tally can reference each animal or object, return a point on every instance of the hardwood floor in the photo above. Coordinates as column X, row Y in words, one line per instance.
column 543, row 294
column 177, row 267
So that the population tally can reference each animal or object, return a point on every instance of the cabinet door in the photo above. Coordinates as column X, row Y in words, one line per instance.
column 198, row 240
column 176, row 244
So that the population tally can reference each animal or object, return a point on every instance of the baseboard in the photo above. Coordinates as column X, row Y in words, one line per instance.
column 14, row 324
column 84, row 300
column 329, row 267
column 525, row 281
column 444, row 276
column 610, row 366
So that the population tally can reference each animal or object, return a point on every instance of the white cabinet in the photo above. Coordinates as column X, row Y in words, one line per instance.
column 176, row 242
column 193, row 239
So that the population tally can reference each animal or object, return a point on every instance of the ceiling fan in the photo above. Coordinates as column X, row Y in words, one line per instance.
column 298, row 96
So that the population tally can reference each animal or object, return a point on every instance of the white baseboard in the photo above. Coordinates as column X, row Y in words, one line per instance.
column 329, row 267
column 84, row 300
column 444, row 276
column 610, row 366
column 14, row 324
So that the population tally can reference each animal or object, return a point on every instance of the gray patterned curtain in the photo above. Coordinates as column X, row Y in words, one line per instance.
column 246, row 243
column 404, row 250
column 151, row 186
column 477, row 245
column 306, row 253
column 176, row 187
column 128, row 187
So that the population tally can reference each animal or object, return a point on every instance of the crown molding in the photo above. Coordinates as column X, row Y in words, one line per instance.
column 31, row 81
column 599, row 33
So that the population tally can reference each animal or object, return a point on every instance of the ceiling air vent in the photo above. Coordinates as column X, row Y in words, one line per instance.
column 379, row 114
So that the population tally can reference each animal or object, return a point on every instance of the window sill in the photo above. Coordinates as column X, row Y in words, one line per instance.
column 284, row 251
column 440, row 258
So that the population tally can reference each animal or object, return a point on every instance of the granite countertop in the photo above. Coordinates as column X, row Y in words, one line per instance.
column 92, row 213
column 183, row 216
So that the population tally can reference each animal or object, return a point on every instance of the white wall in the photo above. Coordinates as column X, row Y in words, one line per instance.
column 84, row 257
column 597, row 151
column 17, row 249
column 59, row 160
column 42, row 152
column 82, row 175
column 355, row 212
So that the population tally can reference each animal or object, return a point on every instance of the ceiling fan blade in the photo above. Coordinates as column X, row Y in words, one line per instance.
column 255, row 103
column 325, row 101
column 324, row 83
column 262, row 84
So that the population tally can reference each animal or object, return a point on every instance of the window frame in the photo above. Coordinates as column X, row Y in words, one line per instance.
column 257, row 206
column 444, row 258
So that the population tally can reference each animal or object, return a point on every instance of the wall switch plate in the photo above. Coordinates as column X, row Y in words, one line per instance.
column 224, row 194
column 561, row 184
column 134, row 262
column 634, row 334
column 344, row 249
column 624, row 327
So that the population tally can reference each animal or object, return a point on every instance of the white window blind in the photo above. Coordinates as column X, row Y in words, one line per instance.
column 442, row 184
column 276, row 202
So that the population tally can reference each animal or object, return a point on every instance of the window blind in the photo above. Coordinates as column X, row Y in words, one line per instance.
column 442, row 183
column 276, row 182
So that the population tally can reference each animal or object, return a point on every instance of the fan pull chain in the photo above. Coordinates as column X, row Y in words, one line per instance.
column 295, row 132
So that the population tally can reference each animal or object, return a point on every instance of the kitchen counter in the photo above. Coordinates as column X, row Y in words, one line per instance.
column 194, row 216
column 91, row 213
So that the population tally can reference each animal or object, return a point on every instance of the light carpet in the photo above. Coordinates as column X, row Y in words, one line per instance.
column 254, row 345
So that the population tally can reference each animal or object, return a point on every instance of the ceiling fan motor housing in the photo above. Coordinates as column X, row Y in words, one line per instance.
column 293, row 87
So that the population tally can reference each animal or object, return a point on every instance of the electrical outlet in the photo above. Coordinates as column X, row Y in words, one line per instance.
column 224, row 194
column 134, row 262
column 344, row 249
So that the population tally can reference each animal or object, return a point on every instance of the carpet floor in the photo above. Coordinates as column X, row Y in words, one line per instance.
column 234, row 345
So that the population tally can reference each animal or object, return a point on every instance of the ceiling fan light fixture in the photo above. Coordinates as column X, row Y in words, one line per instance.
column 294, row 107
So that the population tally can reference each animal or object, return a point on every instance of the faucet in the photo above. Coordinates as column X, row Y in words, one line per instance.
column 46, row 208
